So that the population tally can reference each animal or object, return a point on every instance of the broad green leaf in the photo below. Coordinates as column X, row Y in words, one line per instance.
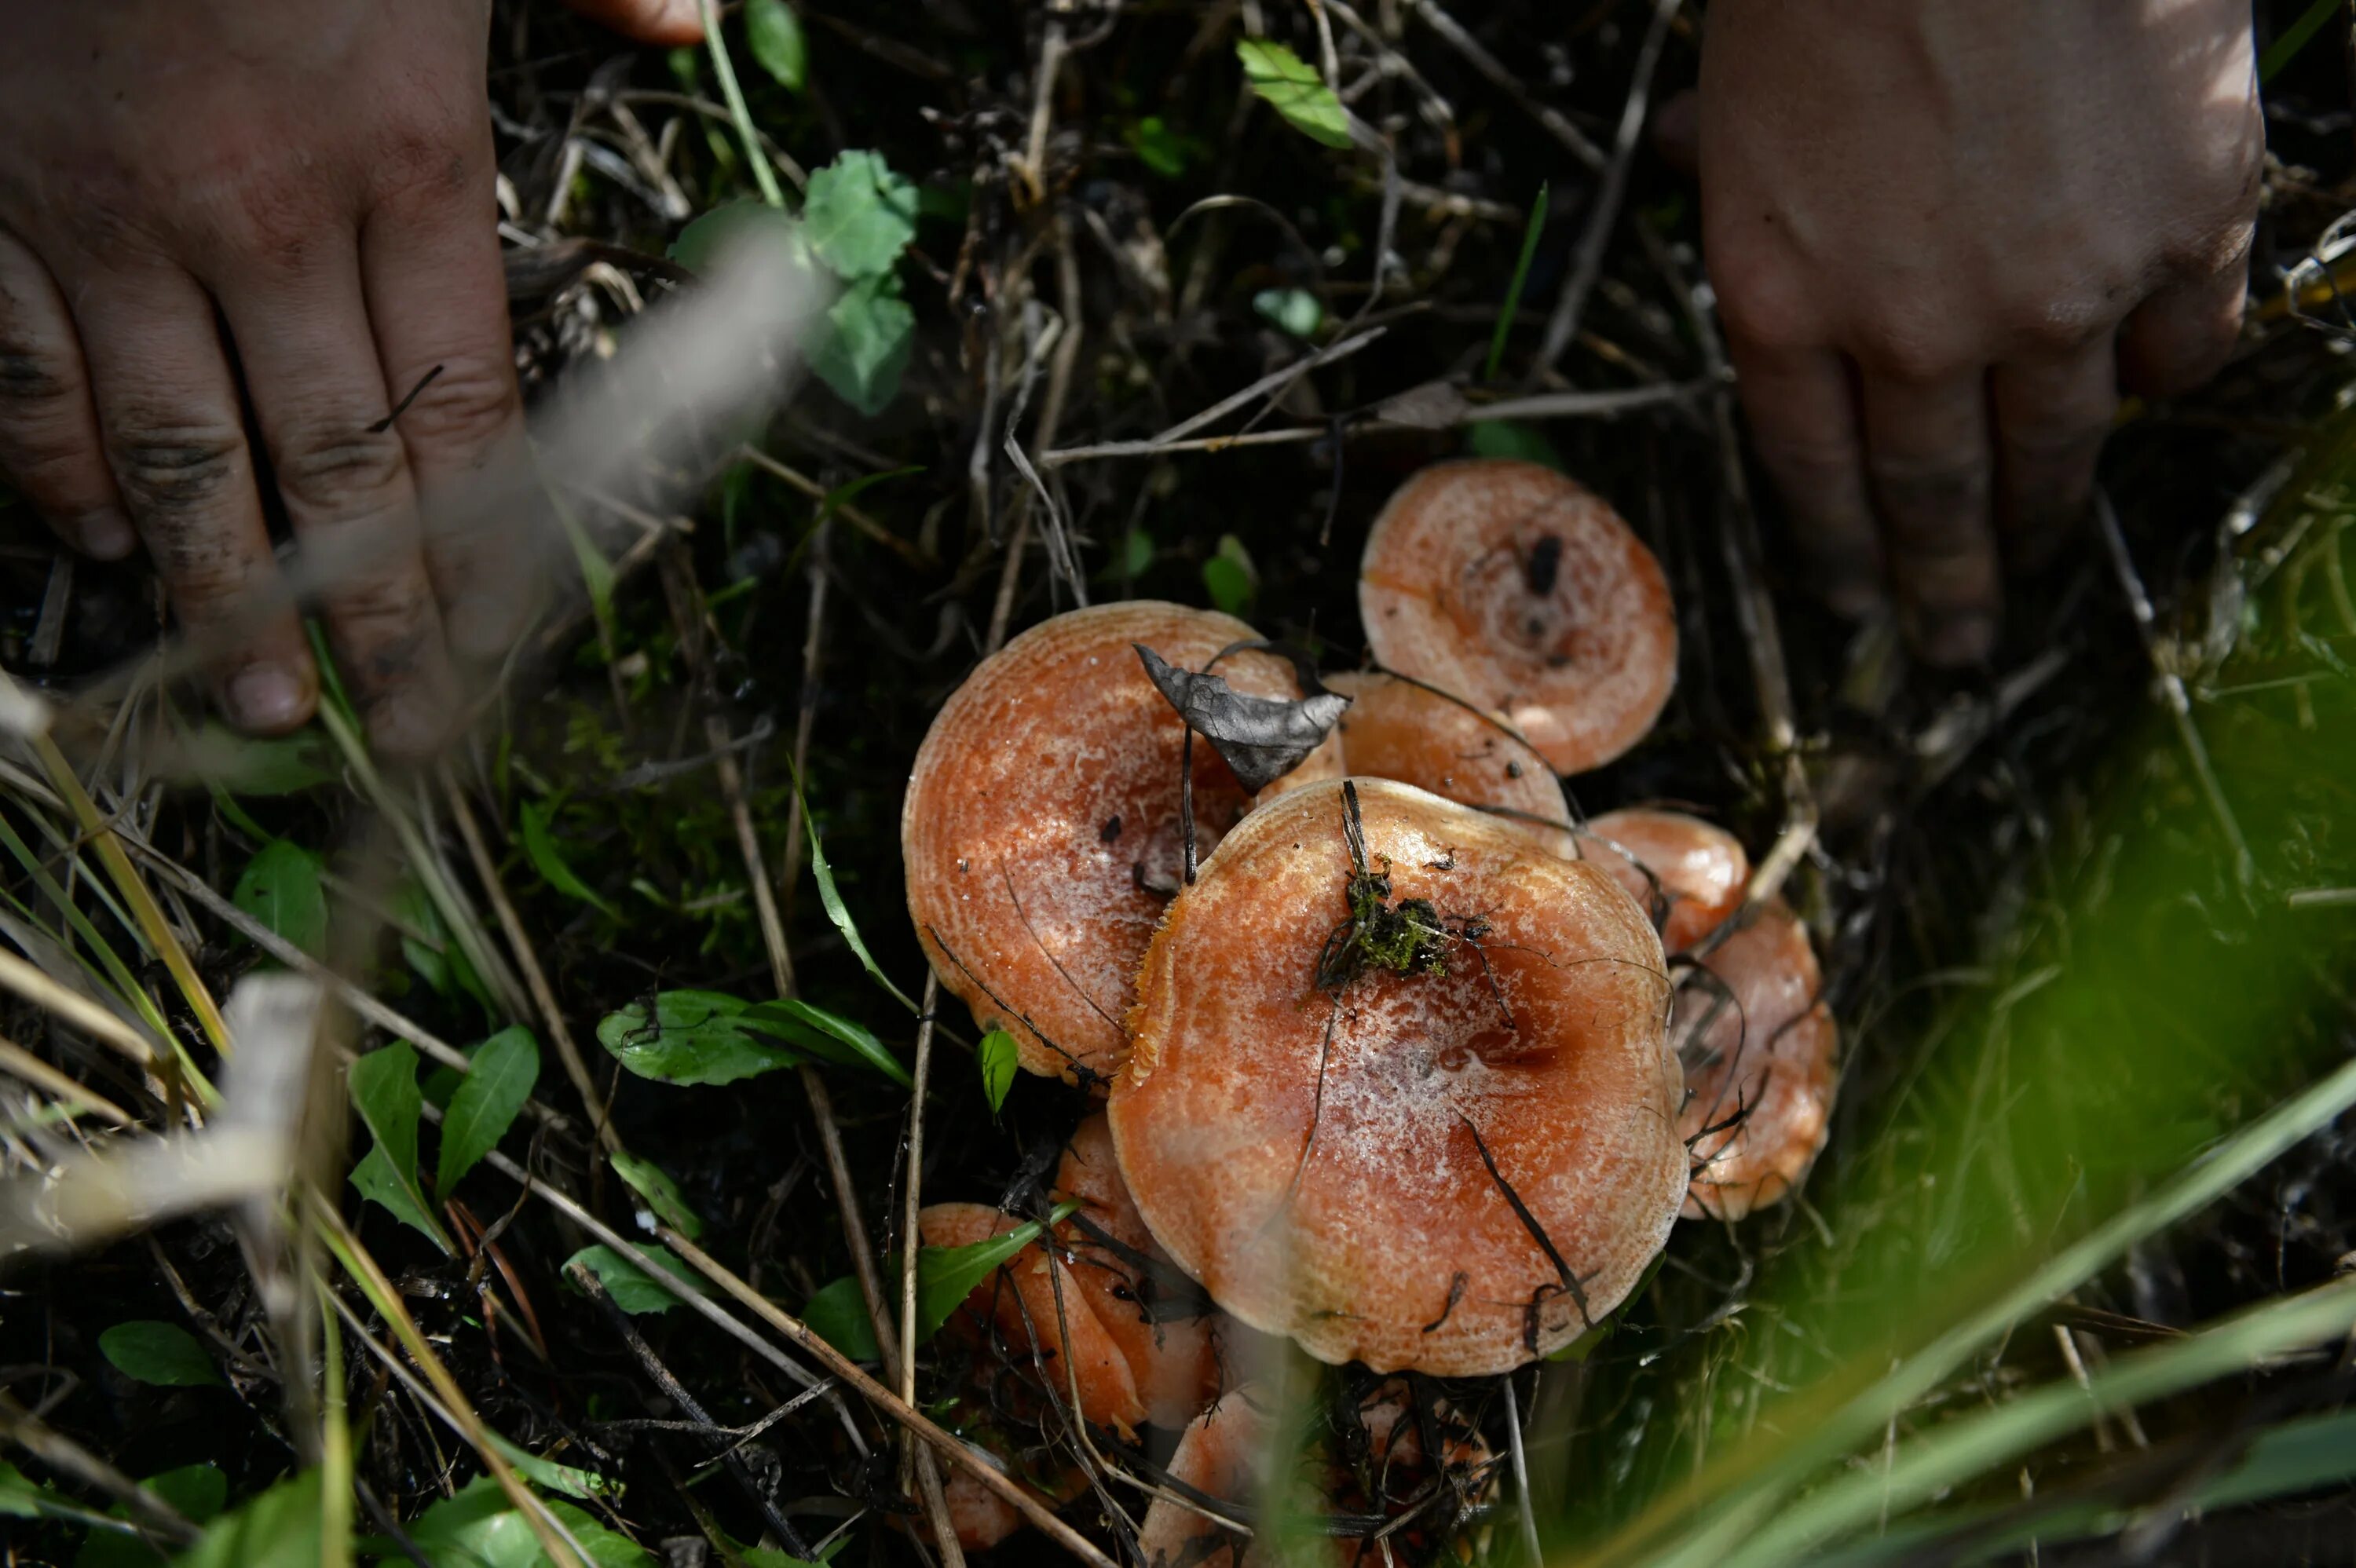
column 22, row 1497
column 700, row 243
column 281, row 888
column 484, row 1103
column 251, row 766
column 999, row 1057
column 478, row 1528
column 540, row 848
column 860, row 215
column 375, row 1179
column 1231, row 579
column 1296, row 311
column 694, row 1037
column 838, row 1315
column 830, row 895
column 1137, row 553
column 946, row 1276
column 280, row 1529
column 198, row 1491
column 164, row 1354
column 860, row 355
column 1511, row 438
column 651, row 1183
column 775, row 35
column 384, row 1091
column 1165, row 151
column 1295, row 91
column 826, row 1035
column 634, row 1290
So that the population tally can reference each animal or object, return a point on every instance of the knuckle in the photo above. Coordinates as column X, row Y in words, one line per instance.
column 1763, row 302
column 1908, row 352
column 168, row 470
column 329, row 467
column 33, row 378
column 1930, row 506
column 466, row 405
column 430, row 165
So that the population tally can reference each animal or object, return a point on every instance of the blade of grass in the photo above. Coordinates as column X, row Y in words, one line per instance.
column 126, row 985
column 27, row 981
column 1514, row 289
column 335, row 1442
column 831, row 897
column 1977, row 1443
column 2294, row 38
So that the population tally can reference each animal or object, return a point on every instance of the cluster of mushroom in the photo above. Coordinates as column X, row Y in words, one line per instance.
column 1393, row 1059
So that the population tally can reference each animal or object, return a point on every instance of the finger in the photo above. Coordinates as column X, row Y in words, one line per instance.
column 2052, row 414
column 2183, row 334
column 167, row 414
column 1803, row 426
column 1927, row 456
column 437, row 305
column 648, row 21
column 48, row 431
column 311, row 367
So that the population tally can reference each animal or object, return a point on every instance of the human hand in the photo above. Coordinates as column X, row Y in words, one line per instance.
column 290, row 201
column 1943, row 233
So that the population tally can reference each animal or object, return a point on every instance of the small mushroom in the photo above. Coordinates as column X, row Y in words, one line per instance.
column 1219, row 1457
column 1018, row 1305
column 1521, row 591
column 1401, row 1088
column 1759, row 1046
column 1399, row 729
column 1041, row 830
column 981, row 1519
column 1697, row 868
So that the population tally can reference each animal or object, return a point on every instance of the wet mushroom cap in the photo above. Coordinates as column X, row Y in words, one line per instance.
column 1760, row 1049
column 1041, row 828
column 1218, row 1455
column 1698, row 868
column 1519, row 590
column 1316, row 1157
column 1398, row 729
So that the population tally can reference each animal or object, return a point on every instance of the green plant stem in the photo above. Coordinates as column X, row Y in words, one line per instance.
column 1514, row 289
column 763, row 175
column 335, row 1441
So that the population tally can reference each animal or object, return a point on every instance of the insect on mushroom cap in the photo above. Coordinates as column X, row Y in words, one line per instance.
column 1041, row 828
column 1520, row 590
column 1453, row 1153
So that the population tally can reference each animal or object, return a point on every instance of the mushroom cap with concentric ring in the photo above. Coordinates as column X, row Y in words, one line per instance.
column 1456, row 1170
column 1521, row 591
column 1041, row 828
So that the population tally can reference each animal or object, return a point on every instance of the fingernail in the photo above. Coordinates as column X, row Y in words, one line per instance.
column 106, row 535
column 267, row 697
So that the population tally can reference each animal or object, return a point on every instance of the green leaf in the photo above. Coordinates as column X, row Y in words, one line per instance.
column 700, row 243
column 946, row 1276
column 198, row 1491
column 280, row 1529
column 651, row 1183
column 485, row 1104
column 164, row 1354
column 540, row 849
column 21, row 1497
column 842, row 495
column 1511, row 438
column 694, row 1037
column 281, row 888
column 775, row 35
column 1164, row 151
column 1296, row 311
column 830, row 895
column 596, row 572
column 1231, row 579
column 838, row 1315
column 858, row 216
column 252, row 765
column 828, row 1036
column 1514, row 288
column 444, row 967
column 999, row 1056
column 384, row 1091
column 634, row 1290
column 1295, row 91
column 860, row 356
column 478, row 1528
column 1137, row 553
column 548, row 1475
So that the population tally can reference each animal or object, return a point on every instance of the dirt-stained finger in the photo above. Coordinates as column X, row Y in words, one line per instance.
column 1803, row 425
column 169, row 416
column 48, row 432
column 1927, row 455
column 2052, row 414
column 310, row 366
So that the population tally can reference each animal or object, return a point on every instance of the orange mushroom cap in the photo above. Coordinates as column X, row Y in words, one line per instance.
column 1454, row 1171
column 1519, row 590
column 1700, row 868
column 1760, row 1048
column 1398, row 729
column 1040, row 829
